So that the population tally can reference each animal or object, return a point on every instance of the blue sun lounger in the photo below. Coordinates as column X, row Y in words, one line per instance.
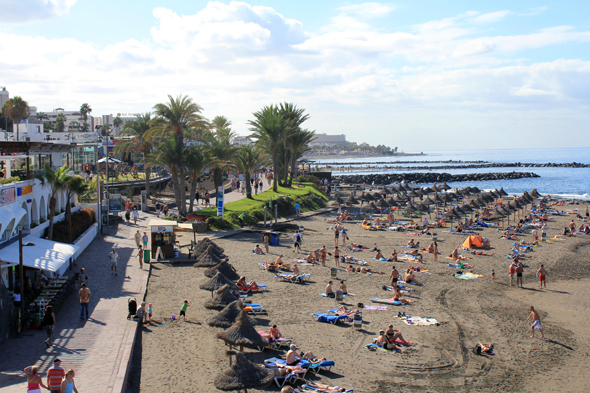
column 330, row 318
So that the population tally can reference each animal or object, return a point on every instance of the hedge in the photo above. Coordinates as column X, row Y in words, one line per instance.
column 81, row 221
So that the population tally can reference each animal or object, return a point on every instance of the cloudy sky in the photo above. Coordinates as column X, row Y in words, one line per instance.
column 416, row 74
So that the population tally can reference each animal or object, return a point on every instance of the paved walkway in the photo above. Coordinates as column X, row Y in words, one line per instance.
column 98, row 348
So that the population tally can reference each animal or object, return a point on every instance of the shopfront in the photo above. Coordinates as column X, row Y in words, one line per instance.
column 162, row 237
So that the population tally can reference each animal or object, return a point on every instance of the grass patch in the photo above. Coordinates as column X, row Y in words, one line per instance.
column 307, row 194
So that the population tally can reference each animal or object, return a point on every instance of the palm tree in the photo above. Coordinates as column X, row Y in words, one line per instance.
column 85, row 126
column 166, row 154
column 117, row 122
column 42, row 116
column 56, row 179
column 248, row 159
column 73, row 185
column 222, row 152
column 16, row 109
column 48, row 126
column 85, row 109
column 220, row 123
column 196, row 160
column 174, row 118
column 269, row 128
column 60, row 122
column 294, row 117
column 139, row 142
column 298, row 144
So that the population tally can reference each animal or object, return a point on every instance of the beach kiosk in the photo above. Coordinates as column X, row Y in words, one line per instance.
column 162, row 238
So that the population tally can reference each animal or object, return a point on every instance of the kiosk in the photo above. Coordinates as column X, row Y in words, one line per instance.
column 162, row 237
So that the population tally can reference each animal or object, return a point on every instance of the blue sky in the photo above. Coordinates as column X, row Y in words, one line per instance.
column 420, row 75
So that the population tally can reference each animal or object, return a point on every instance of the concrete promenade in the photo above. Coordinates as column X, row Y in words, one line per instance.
column 98, row 348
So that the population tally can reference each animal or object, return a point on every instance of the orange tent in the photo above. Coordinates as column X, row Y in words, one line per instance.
column 473, row 241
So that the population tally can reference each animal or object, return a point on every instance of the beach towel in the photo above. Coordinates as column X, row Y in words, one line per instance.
column 467, row 276
column 380, row 259
column 391, row 301
column 419, row 321
column 403, row 288
column 460, row 265
column 460, row 257
column 298, row 260
column 375, row 347
column 375, row 308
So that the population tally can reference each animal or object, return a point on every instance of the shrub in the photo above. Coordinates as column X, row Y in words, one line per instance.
column 9, row 180
column 33, row 225
column 81, row 221
column 42, row 220
column 220, row 224
column 308, row 179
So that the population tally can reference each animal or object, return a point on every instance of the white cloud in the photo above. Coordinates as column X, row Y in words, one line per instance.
column 26, row 11
column 368, row 10
column 491, row 17
column 234, row 58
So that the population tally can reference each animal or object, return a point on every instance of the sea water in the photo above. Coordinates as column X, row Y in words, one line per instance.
column 563, row 182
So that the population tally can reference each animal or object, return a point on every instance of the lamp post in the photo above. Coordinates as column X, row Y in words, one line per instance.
column 21, row 275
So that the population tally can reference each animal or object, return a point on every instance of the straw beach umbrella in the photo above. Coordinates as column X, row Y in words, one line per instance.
column 243, row 333
column 535, row 194
column 224, row 268
column 243, row 375
column 209, row 260
column 382, row 204
column 216, row 282
column 227, row 317
column 222, row 298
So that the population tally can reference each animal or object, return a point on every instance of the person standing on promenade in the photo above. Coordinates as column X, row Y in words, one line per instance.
column 542, row 275
column 34, row 380
column 54, row 376
column 84, row 299
column 337, row 256
column 83, row 277
column 138, row 238
column 140, row 257
column 135, row 214
column 114, row 257
column 297, row 209
column 68, row 385
column 536, row 322
column 49, row 324
column 144, row 239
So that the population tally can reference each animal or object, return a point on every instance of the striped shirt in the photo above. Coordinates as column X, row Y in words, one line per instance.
column 54, row 377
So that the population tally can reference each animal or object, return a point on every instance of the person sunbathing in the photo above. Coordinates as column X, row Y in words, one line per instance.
column 379, row 255
column 243, row 284
column 482, row 253
column 365, row 222
column 378, row 221
column 393, row 256
column 343, row 288
column 394, row 334
column 485, row 244
column 411, row 243
column 258, row 250
column 329, row 291
column 279, row 260
column 431, row 248
column 509, row 236
column 310, row 258
column 483, row 348
column 385, row 343
column 274, row 333
column 282, row 369
column 295, row 269
column 455, row 253
column 323, row 388
column 316, row 255
column 410, row 278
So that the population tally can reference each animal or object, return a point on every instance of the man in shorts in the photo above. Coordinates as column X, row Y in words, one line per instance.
column 297, row 242
column 144, row 239
column 542, row 274
column 114, row 257
column 519, row 273
column 536, row 322
column 394, row 276
column 266, row 241
column 138, row 238
column 183, row 309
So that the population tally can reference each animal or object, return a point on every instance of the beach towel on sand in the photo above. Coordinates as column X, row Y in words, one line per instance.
column 380, row 259
column 375, row 308
column 392, row 301
column 419, row 321
column 460, row 265
column 467, row 276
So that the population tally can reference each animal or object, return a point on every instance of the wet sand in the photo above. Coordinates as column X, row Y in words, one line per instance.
column 185, row 356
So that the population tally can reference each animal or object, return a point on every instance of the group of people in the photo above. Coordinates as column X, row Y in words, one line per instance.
column 131, row 210
column 58, row 380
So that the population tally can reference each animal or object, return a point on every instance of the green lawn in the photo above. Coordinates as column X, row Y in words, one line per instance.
column 261, row 199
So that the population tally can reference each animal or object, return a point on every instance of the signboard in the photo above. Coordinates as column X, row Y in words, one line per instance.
column 7, row 195
column 115, row 203
column 220, row 193
column 144, row 201
column 84, row 137
column 162, row 228
column 24, row 190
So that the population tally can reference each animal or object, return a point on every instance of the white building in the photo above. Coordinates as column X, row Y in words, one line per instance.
column 241, row 141
column 329, row 140
column 4, row 96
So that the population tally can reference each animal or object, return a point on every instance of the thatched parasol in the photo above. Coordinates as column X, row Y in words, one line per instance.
column 384, row 191
column 216, row 282
column 243, row 375
column 413, row 194
column 392, row 203
column 411, row 208
column 206, row 243
column 338, row 201
column 222, row 298
column 381, row 203
column 399, row 188
column 428, row 201
column 205, row 260
column 502, row 192
column 444, row 187
column 475, row 190
column 225, row 268
column 227, row 317
column 243, row 333
column 535, row 194
column 401, row 198
column 351, row 200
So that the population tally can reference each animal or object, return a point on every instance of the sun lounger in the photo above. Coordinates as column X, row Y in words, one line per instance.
column 272, row 363
column 276, row 343
column 257, row 288
column 323, row 365
column 330, row 318
column 254, row 308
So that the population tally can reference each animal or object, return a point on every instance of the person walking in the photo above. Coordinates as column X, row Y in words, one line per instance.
column 34, row 380
column 140, row 257
column 54, row 376
column 114, row 257
column 84, row 299
column 297, row 242
column 68, row 385
column 83, row 277
column 542, row 275
column 158, row 209
column 135, row 214
column 138, row 238
column 297, row 209
column 49, row 324
column 197, row 197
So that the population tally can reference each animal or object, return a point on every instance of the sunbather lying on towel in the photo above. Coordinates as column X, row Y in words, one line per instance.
column 482, row 253
column 509, row 236
column 362, row 269
column 483, row 348
column 345, row 311
column 323, row 388
column 282, row 369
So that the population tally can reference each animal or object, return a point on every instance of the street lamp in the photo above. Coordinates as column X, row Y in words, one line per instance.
column 21, row 274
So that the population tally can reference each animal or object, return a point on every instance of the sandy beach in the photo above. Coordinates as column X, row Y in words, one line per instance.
column 185, row 357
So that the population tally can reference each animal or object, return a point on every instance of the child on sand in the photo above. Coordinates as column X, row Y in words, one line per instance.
column 493, row 276
column 149, row 312
column 183, row 309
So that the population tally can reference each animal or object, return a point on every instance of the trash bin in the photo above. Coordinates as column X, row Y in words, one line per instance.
column 357, row 320
column 333, row 272
column 339, row 295
column 274, row 238
column 146, row 255
column 176, row 253
column 544, row 237
column 434, row 236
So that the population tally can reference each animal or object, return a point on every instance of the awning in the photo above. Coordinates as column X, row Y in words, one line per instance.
column 9, row 212
column 111, row 159
column 17, row 211
column 44, row 255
